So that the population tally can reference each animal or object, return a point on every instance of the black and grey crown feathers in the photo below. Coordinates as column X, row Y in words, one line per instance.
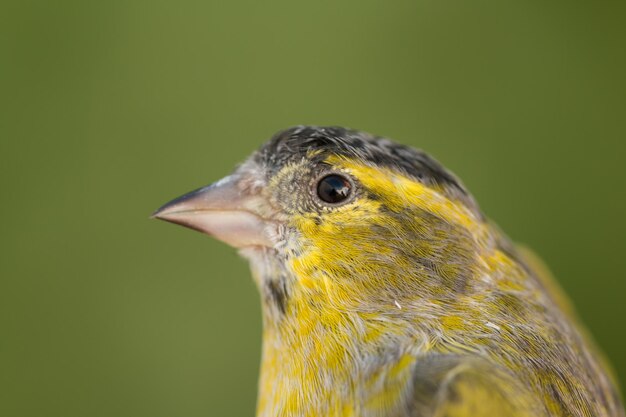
column 319, row 142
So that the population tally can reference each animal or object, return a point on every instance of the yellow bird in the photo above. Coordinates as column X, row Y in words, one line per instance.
column 386, row 292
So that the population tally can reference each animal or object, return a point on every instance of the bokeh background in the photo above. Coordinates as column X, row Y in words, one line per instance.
column 110, row 108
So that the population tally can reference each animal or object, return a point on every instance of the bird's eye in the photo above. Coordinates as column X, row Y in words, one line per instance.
column 334, row 189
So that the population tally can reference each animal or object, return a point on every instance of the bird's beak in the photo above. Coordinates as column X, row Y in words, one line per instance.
column 222, row 210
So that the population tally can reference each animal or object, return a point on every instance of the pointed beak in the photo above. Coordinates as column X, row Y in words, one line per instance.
column 224, row 211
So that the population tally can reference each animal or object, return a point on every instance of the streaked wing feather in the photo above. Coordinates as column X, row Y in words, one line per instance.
column 452, row 386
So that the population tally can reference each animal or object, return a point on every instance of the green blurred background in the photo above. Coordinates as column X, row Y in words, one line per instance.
column 110, row 108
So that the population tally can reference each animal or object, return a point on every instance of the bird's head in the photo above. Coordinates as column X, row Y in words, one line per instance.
column 339, row 218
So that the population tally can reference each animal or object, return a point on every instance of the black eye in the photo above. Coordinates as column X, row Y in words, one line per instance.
column 334, row 189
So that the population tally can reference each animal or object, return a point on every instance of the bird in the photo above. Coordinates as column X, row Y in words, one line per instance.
column 386, row 292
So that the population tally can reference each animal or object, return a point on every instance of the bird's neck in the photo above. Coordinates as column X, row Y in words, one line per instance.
column 324, row 354
column 333, row 363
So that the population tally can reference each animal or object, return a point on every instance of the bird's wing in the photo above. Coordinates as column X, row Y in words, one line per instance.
column 545, row 277
column 463, row 387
